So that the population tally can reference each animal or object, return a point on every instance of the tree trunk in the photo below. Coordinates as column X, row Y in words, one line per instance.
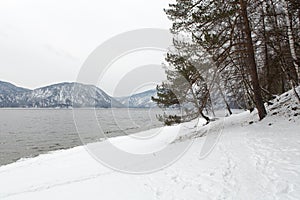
column 252, row 63
column 291, row 40
column 267, row 66
column 224, row 98
column 205, row 117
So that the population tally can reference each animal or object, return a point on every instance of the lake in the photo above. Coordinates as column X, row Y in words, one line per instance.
column 30, row 132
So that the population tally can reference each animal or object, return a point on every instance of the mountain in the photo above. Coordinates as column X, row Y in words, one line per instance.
column 57, row 95
column 8, row 88
column 139, row 100
column 8, row 93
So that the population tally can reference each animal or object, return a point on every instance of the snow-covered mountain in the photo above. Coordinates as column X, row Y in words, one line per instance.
column 8, row 94
column 57, row 95
column 139, row 100
column 8, row 88
column 143, row 100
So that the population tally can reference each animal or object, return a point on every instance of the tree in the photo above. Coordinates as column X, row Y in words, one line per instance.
column 255, row 45
column 291, row 39
column 185, row 87
column 252, row 63
column 223, row 30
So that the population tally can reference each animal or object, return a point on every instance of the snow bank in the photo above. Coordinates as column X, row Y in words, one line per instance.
column 252, row 160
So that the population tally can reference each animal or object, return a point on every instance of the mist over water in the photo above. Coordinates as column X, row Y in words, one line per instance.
column 30, row 132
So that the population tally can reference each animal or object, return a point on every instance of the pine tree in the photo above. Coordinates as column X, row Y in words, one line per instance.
column 185, row 88
column 255, row 45
column 223, row 30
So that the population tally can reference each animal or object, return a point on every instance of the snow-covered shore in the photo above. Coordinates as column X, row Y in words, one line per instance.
column 251, row 160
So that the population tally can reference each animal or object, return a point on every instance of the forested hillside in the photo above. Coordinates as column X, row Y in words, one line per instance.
column 248, row 51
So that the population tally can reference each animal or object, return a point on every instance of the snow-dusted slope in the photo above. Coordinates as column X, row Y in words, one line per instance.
column 7, row 88
column 64, row 94
column 8, row 92
column 252, row 160
column 60, row 95
column 140, row 100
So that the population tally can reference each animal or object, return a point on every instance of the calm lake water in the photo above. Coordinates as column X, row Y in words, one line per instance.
column 30, row 132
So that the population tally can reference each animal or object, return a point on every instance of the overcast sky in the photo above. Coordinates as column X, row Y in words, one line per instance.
column 46, row 41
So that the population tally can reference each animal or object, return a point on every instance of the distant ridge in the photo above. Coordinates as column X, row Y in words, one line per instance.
column 8, row 88
column 139, row 100
column 58, row 95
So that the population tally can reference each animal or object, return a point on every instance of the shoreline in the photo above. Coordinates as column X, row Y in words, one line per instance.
column 81, row 145
column 75, row 174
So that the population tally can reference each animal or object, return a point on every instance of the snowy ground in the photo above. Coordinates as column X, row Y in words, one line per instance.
column 252, row 160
